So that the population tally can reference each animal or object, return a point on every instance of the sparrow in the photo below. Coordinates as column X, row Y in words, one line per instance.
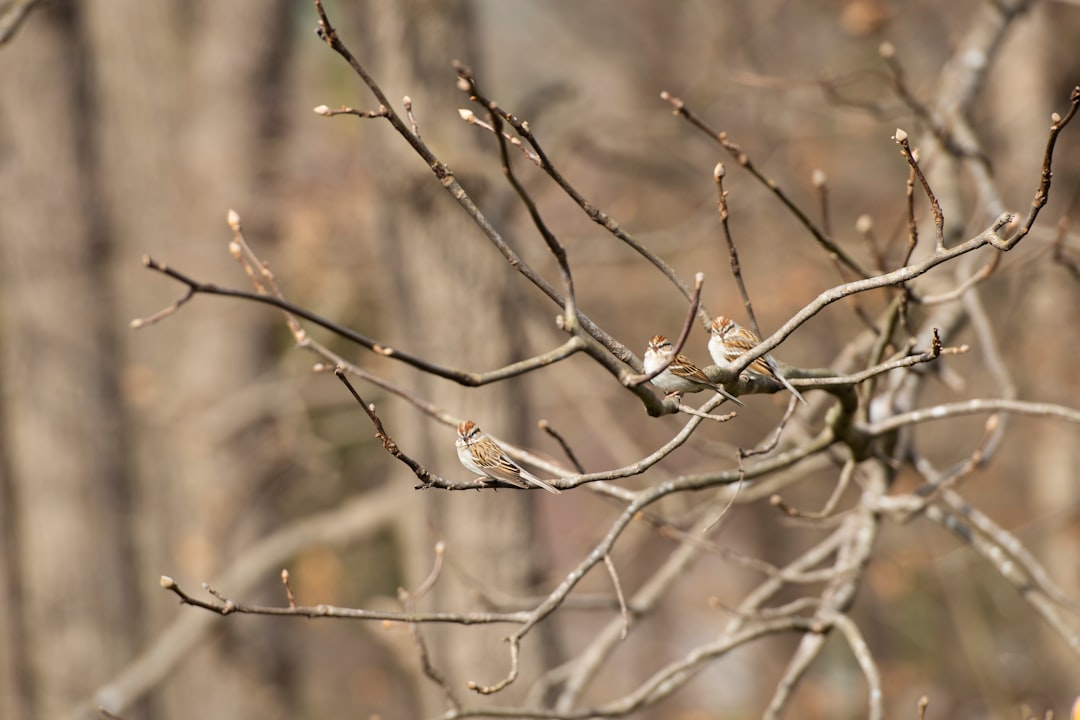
column 483, row 456
column 681, row 376
column 729, row 340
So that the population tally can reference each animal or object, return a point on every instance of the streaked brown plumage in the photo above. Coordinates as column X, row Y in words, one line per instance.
column 682, row 375
column 729, row 341
column 483, row 456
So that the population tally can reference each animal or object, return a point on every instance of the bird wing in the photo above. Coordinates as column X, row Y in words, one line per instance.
column 509, row 471
column 503, row 468
column 684, row 368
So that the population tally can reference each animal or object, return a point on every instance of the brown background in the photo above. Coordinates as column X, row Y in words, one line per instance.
column 129, row 127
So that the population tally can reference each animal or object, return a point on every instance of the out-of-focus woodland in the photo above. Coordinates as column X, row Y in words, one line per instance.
column 201, row 446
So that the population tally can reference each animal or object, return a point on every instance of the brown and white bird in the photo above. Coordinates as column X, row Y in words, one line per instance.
column 483, row 456
column 681, row 376
column 729, row 340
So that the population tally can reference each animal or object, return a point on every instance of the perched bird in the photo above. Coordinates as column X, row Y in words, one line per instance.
column 681, row 376
column 729, row 340
column 483, row 456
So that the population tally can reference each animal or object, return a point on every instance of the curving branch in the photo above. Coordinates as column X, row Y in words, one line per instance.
column 862, row 439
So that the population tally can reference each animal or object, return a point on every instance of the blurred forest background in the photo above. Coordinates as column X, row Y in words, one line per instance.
column 204, row 448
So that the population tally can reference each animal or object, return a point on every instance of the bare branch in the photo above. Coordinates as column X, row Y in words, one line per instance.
column 1011, row 571
column 901, row 138
column 733, row 254
column 1042, row 193
column 941, row 132
column 469, row 379
column 554, row 246
column 288, row 588
column 744, row 160
column 973, row 407
column 546, row 427
column 695, row 303
column 408, row 601
column 594, row 213
column 225, row 606
column 446, row 178
column 12, row 14
column 623, row 612
column 865, row 658
column 830, row 505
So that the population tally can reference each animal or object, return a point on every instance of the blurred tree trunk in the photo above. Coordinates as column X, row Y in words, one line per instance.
column 128, row 127
column 221, row 76
column 451, row 298
column 70, row 606
column 1029, row 88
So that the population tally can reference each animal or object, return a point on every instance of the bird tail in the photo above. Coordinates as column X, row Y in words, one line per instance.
column 720, row 389
column 791, row 389
column 533, row 480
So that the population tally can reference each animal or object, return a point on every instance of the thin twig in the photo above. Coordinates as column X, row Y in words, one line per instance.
column 546, row 427
column 830, row 505
column 327, row 111
column 684, row 334
column 288, row 588
column 676, row 674
column 623, row 612
column 554, row 246
column 774, row 437
column 704, row 415
column 864, row 658
column 1013, row 572
column 470, row 117
column 872, row 372
column 468, row 379
column 990, row 236
column 1015, row 549
column 226, row 606
column 446, row 179
column 594, row 213
column 942, row 133
column 679, row 108
column 406, row 103
column 1042, row 193
column 731, row 502
column 408, row 601
column 972, row 407
column 820, row 183
column 426, row 477
column 864, row 225
column 733, row 254
column 433, row 576
column 603, row 547
column 1059, row 255
column 901, row 138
